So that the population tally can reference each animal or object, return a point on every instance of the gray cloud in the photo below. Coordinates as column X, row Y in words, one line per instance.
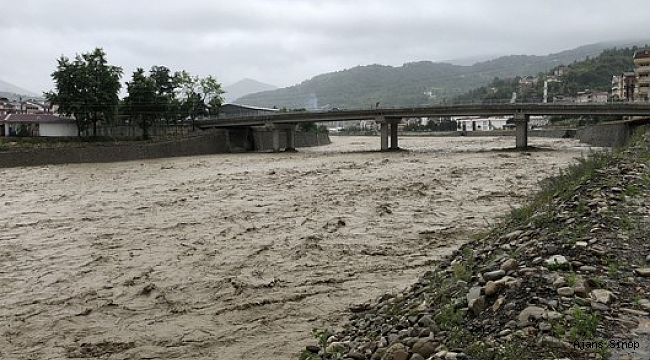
column 284, row 42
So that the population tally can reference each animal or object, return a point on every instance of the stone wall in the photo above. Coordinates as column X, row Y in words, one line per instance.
column 605, row 135
column 212, row 142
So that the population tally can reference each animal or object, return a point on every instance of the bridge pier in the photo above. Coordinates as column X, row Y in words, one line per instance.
column 290, row 131
column 388, row 127
column 521, row 123
column 393, row 135
column 275, row 135
column 384, row 135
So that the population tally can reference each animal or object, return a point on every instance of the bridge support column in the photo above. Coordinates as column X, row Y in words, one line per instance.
column 290, row 131
column 521, row 123
column 393, row 135
column 383, row 132
column 275, row 135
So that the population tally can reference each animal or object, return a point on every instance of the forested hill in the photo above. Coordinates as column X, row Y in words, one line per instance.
column 411, row 84
column 593, row 73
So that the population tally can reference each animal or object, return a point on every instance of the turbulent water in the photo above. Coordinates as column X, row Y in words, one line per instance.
column 238, row 256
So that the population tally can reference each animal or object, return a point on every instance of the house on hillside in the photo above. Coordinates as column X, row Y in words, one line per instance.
column 585, row 97
column 37, row 125
column 560, row 71
column 528, row 82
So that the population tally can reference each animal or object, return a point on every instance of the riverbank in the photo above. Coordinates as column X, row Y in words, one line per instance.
column 35, row 152
column 563, row 276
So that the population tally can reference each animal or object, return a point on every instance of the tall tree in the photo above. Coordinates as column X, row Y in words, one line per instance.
column 86, row 88
column 212, row 91
column 166, row 84
column 199, row 95
column 143, row 102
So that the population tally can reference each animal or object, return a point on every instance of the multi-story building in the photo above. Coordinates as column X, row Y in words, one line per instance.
column 623, row 86
column 617, row 87
column 642, row 74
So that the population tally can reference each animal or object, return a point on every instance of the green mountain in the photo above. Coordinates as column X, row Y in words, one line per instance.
column 412, row 84
column 593, row 73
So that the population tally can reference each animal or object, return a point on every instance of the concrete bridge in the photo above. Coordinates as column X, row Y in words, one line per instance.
column 390, row 118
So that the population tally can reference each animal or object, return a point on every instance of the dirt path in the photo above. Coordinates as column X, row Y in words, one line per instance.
column 237, row 256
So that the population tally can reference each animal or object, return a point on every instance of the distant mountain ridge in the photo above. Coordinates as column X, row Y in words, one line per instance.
column 9, row 88
column 412, row 84
column 245, row 87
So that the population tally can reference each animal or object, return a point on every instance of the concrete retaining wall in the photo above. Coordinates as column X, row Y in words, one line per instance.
column 213, row 142
column 605, row 135
column 263, row 139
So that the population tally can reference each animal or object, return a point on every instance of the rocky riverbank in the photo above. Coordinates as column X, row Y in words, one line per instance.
column 565, row 276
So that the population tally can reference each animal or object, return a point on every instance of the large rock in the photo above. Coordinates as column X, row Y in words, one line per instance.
column 474, row 293
column 508, row 265
column 477, row 305
column 644, row 272
column 424, row 347
column 397, row 351
column 494, row 275
column 531, row 312
column 490, row 288
column 557, row 260
column 602, row 296
column 581, row 288
column 565, row 291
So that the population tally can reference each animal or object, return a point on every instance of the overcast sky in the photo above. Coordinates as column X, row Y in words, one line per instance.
column 283, row 42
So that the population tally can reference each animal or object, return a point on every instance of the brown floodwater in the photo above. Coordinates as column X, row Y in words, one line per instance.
column 239, row 256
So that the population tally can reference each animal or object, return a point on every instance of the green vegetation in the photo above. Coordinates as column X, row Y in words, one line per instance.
column 594, row 73
column 87, row 89
column 584, row 324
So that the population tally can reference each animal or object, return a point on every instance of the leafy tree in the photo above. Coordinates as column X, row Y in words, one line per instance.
column 199, row 95
column 211, row 91
column 143, row 102
column 165, row 84
column 86, row 88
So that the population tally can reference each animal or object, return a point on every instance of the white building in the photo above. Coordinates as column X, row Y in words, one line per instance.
column 476, row 123
column 37, row 125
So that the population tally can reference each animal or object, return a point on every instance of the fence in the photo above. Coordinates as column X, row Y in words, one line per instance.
column 133, row 131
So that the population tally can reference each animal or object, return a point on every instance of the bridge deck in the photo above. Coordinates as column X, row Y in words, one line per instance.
column 391, row 117
column 622, row 109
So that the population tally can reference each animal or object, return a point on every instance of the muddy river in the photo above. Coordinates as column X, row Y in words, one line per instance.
column 239, row 256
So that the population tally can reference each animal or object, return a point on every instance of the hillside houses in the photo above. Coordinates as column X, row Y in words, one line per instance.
column 634, row 85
